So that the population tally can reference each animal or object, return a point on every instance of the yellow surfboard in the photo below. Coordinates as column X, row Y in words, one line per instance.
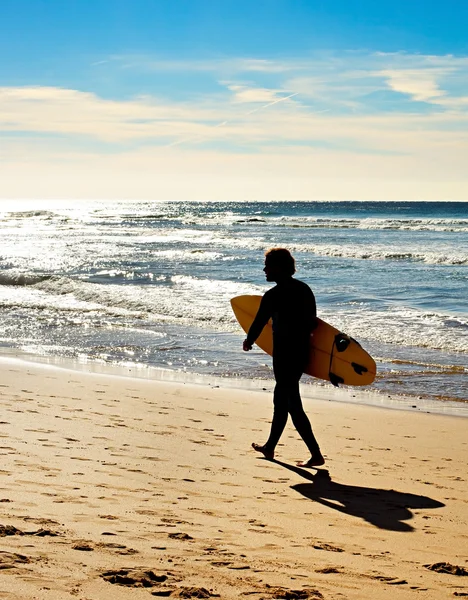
column 334, row 356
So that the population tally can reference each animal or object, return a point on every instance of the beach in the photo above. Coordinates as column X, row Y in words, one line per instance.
column 117, row 487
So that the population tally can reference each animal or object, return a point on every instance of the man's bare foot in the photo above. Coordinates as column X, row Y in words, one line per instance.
column 314, row 461
column 269, row 454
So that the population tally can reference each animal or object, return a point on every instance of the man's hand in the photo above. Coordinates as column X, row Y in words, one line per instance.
column 246, row 346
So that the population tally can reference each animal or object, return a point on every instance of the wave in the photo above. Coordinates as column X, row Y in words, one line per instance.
column 403, row 328
column 353, row 252
column 189, row 301
column 213, row 240
column 221, row 240
column 380, row 224
column 436, row 367
column 177, row 299
column 303, row 222
column 252, row 220
column 383, row 253
column 450, row 225
column 194, row 254
column 198, row 215
column 32, row 214
column 21, row 279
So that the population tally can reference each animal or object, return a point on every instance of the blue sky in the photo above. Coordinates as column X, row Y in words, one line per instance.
column 216, row 99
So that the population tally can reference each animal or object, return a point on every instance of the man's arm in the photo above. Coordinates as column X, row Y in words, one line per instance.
column 261, row 319
column 310, row 310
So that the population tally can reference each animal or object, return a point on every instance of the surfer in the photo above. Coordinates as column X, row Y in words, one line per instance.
column 291, row 306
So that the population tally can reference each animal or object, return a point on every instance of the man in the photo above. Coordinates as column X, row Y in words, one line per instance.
column 291, row 306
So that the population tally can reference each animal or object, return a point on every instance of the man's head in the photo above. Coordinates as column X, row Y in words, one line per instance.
column 279, row 264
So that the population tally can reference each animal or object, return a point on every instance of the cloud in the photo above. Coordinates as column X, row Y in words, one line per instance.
column 350, row 80
column 251, row 94
column 78, row 116
column 73, row 112
column 351, row 117
column 138, row 62
column 421, row 85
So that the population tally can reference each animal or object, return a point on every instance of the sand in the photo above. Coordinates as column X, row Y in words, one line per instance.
column 116, row 488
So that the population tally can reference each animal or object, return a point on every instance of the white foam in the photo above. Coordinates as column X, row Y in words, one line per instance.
column 376, row 252
column 185, row 299
column 368, row 223
column 407, row 327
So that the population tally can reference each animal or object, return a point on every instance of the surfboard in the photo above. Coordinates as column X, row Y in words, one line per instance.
column 334, row 356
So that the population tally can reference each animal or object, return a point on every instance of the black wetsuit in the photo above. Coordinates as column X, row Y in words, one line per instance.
column 291, row 306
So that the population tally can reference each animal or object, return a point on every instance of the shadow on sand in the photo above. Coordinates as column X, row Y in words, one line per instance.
column 386, row 509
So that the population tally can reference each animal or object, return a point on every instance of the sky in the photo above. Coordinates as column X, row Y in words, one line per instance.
column 234, row 100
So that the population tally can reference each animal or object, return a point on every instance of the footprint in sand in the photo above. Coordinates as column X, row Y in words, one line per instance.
column 327, row 547
column 180, row 536
column 83, row 547
column 8, row 530
column 119, row 548
column 10, row 560
column 445, row 567
column 328, row 570
column 191, row 592
column 134, row 577
column 306, row 593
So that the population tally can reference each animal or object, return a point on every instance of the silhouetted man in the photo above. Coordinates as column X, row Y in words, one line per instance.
column 291, row 306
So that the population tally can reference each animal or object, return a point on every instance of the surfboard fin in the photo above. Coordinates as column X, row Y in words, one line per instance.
column 360, row 369
column 335, row 379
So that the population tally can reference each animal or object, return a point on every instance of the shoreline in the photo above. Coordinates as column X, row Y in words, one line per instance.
column 316, row 389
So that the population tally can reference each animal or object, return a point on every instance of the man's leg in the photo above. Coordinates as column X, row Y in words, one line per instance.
column 292, row 376
column 287, row 400
column 302, row 423
column 280, row 409
column 280, row 415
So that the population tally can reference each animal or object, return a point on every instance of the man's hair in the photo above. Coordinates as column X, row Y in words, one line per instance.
column 281, row 258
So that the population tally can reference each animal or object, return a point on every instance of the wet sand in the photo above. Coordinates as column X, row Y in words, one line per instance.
column 116, row 488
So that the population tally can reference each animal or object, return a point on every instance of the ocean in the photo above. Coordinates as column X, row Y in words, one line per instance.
column 146, row 285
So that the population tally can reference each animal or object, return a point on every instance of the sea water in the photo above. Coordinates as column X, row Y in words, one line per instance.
column 148, row 284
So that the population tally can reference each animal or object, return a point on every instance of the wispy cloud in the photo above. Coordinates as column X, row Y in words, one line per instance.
column 247, row 94
column 139, row 62
column 419, row 84
column 353, row 114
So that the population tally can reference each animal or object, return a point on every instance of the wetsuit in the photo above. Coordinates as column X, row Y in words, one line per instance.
column 291, row 306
